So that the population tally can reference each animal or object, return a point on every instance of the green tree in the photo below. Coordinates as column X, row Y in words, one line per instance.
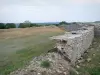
column 10, row 25
column 2, row 26
column 33, row 25
column 56, row 24
column 21, row 25
column 63, row 22
column 74, row 22
column 25, row 24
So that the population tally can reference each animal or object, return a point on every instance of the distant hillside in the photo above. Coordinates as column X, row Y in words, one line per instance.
column 48, row 23
column 97, row 21
column 44, row 23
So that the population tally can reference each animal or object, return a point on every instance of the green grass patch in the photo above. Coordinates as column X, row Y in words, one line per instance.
column 16, row 53
column 45, row 64
column 92, row 67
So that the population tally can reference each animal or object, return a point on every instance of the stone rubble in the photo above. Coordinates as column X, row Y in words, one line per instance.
column 58, row 66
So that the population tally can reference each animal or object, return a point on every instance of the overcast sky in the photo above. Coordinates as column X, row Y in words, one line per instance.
column 49, row 10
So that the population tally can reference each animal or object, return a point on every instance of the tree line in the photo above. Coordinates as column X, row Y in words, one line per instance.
column 7, row 26
column 21, row 25
column 25, row 25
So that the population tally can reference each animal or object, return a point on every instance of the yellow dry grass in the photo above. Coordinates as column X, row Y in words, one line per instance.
column 21, row 32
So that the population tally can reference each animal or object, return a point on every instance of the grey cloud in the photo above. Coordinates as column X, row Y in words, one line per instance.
column 35, row 2
column 48, row 10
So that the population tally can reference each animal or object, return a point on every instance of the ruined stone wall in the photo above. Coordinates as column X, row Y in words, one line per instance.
column 75, row 43
column 96, row 28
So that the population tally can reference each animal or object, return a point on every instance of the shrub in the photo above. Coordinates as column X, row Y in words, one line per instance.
column 25, row 24
column 2, row 26
column 10, row 25
column 22, row 25
column 33, row 25
column 45, row 64
column 94, row 71
column 63, row 22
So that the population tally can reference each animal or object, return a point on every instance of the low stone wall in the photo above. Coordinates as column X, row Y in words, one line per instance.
column 97, row 29
column 75, row 43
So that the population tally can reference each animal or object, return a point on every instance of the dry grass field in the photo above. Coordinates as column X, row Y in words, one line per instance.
column 18, row 46
column 21, row 32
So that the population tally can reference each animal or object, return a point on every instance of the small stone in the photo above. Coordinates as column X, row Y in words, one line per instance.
column 78, row 66
column 80, row 60
column 39, row 73
column 93, row 54
column 26, row 70
column 77, row 72
column 59, row 71
column 65, row 73
column 31, row 70
column 50, row 59
column 89, row 59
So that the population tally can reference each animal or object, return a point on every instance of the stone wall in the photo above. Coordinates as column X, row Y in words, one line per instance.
column 74, row 44
column 72, row 27
column 96, row 28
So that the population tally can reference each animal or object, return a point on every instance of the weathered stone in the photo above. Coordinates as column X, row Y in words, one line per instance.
column 58, row 66
column 76, row 44
column 39, row 73
column 93, row 54
column 89, row 59
column 77, row 66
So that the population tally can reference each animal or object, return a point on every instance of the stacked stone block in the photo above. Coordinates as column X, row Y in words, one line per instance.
column 75, row 43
